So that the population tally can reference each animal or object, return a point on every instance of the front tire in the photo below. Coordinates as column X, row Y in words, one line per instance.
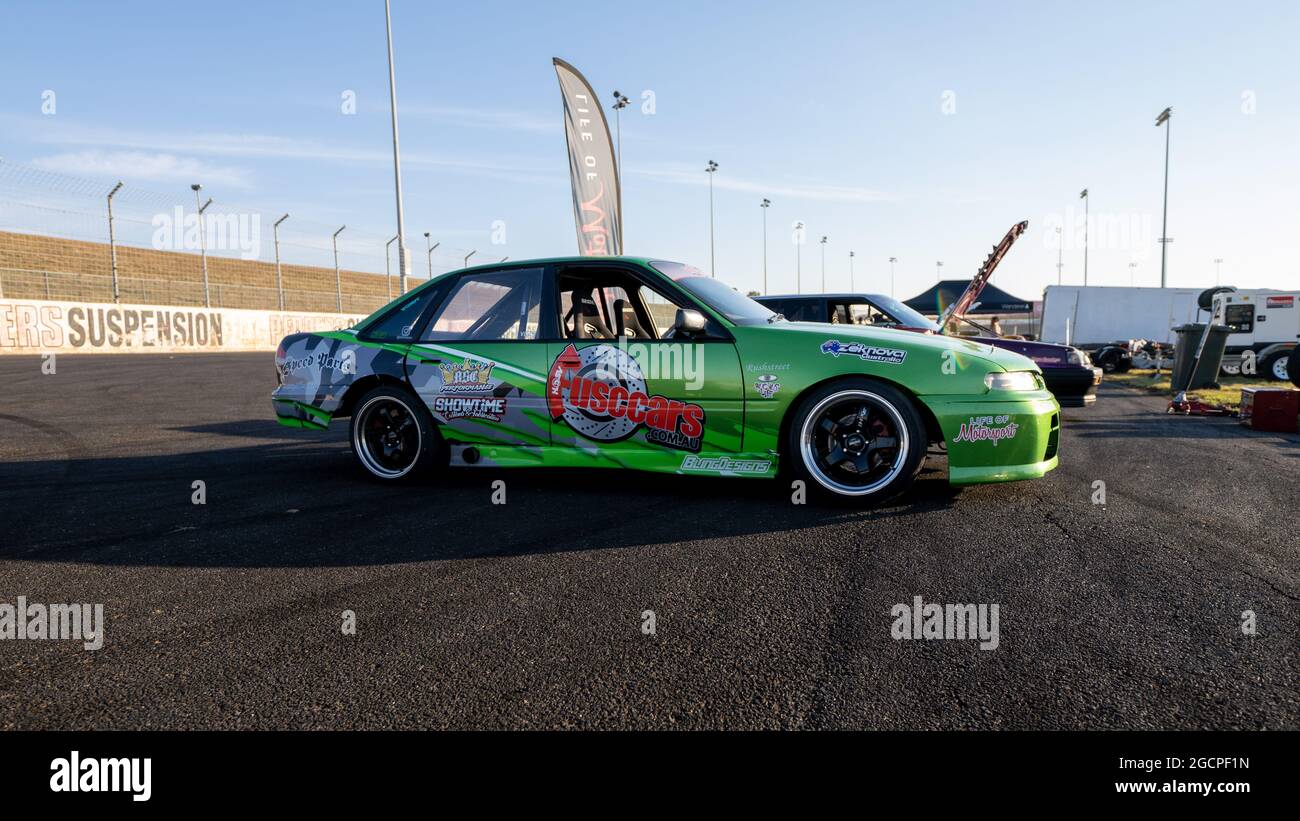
column 1275, row 367
column 857, row 440
column 393, row 437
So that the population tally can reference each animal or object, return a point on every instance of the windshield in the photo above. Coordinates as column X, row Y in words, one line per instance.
column 722, row 298
column 902, row 314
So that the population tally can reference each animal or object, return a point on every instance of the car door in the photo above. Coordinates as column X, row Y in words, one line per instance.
column 479, row 363
column 648, row 402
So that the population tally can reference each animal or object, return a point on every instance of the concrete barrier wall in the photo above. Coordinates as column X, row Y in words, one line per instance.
column 34, row 327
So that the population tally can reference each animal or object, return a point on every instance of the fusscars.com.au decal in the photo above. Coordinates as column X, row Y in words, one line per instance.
column 870, row 353
column 601, row 393
column 987, row 429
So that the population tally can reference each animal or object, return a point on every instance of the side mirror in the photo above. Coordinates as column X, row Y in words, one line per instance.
column 689, row 321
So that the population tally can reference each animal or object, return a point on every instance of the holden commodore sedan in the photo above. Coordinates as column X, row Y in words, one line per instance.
column 617, row 362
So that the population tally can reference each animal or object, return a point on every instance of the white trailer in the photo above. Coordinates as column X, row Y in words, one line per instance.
column 1095, row 315
column 1265, row 329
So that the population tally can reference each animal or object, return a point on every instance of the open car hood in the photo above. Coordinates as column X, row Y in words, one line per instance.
column 967, row 300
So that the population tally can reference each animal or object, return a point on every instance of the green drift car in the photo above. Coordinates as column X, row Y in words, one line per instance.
column 634, row 363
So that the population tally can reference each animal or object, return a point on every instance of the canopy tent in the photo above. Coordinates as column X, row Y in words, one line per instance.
column 991, row 300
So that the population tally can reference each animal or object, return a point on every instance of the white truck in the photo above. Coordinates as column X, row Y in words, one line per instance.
column 1265, row 330
column 1090, row 317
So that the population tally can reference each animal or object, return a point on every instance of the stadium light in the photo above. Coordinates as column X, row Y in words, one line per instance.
column 338, row 279
column 275, row 231
column 112, row 246
column 467, row 256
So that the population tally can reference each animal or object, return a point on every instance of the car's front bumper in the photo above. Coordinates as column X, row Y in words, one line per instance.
column 1073, row 387
column 998, row 439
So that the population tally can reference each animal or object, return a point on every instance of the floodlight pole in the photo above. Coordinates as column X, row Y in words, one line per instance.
column 765, row 204
column 711, row 169
column 892, row 260
column 397, row 154
column 1165, row 117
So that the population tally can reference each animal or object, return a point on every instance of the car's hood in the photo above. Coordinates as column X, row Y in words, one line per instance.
column 898, row 338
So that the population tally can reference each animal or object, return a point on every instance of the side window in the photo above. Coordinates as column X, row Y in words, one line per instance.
column 662, row 311
column 492, row 305
column 805, row 310
column 399, row 325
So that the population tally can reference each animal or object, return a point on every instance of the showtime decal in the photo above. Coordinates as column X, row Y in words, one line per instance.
column 457, row 407
column 601, row 393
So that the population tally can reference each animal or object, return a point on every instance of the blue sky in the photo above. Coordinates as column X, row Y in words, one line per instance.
column 915, row 130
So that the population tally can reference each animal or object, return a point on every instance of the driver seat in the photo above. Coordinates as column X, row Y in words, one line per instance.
column 625, row 318
column 587, row 323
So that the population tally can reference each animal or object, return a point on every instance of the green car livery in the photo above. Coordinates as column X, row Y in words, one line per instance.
column 650, row 365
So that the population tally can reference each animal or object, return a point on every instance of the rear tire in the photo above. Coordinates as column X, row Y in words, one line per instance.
column 856, row 440
column 1293, row 366
column 393, row 436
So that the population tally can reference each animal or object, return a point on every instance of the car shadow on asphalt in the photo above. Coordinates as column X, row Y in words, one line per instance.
column 303, row 502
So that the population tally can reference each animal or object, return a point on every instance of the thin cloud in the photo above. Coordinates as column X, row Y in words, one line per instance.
column 809, row 190
column 274, row 147
column 486, row 118
column 141, row 165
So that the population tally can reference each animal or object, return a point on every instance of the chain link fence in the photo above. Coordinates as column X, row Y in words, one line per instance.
column 66, row 238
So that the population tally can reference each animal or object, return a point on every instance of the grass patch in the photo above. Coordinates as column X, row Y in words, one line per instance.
column 1228, row 396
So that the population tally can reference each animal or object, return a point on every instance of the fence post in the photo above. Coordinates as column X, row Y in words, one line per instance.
column 203, row 243
column 388, row 267
column 112, row 246
column 338, row 280
column 279, row 281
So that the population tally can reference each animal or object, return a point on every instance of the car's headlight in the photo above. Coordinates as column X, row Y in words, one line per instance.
column 1012, row 381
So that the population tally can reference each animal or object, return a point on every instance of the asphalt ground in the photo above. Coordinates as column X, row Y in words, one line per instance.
column 530, row 614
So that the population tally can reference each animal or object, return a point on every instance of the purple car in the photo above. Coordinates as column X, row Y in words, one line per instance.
column 1068, row 372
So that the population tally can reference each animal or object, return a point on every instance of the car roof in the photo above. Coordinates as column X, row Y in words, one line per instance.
column 865, row 296
column 553, row 260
